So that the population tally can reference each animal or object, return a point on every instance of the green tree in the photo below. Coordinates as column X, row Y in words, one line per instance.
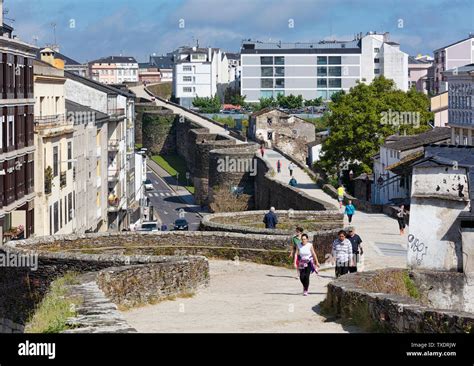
column 208, row 105
column 358, row 123
column 290, row 101
column 313, row 102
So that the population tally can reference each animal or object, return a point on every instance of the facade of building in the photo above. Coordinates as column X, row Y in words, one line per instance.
column 393, row 187
column 54, row 173
column 321, row 69
column 439, row 107
column 276, row 128
column 114, row 70
column 165, row 66
column 16, row 135
column 148, row 74
column 449, row 57
column 418, row 68
column 461, row 104
column 199, row 72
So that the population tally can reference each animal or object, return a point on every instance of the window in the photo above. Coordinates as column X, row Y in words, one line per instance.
column 198, row 57
column 279, row 60
column 266, row 60
column 279, row 83
column 279, row 71
column 266, row 94
column 267, row 71
column 56, row 218
column 376, row 50
column 270, row 135
column 269, row 121
column 51, row 220
column 377, row 60
column 322, row 71
column 334, row 60
column 69, row 205
column 377, row 71
column 322, row 83
column 69, row 155
column 322, row 60
column 55, row 161
column 187, row 68
column 334, row 83
column 187, row 78
column 335, row 71
column 187, row 89
column 60, row 213
column 266, row 83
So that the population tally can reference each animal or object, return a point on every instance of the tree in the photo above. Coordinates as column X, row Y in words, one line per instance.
column 313, row 102
column 232, row 96
column 290, row 101
column 360, row 120
column 208, row 105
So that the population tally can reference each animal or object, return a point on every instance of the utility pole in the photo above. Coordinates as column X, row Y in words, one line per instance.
column 54, row 32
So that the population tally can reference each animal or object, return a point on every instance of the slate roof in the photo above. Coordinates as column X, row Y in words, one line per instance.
column 403, row 143
column 96, row 85
column 76, row 107
column 162, row 62
column 115, row 60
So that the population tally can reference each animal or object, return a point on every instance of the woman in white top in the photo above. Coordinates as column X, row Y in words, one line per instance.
column 306, row 261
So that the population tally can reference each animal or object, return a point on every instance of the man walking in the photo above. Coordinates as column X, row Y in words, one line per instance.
column 270, row 219
column 357, row 250
column 342, row 253
column 291, row 167
column 350, row 210
column 278, row 166
column 340, row 195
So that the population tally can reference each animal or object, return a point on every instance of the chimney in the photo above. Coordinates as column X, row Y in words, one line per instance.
column 47, row 55
column 386, row 37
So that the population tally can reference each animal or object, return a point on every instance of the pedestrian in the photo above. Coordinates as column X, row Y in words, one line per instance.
column 340, row 195
column 350, row 211
column 291, row 167
column 293, row 182
column 278, row 166
column 270, row 219
column 262, row 150
column 357, row 250
column 295, row 240
column 401, row 219
column 305, row 261
column 342, row 253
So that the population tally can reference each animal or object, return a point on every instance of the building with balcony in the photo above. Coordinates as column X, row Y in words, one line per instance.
column 461, row 104
column 318, row 70
column 16, row 135
column 114, row 70
column 449, row 57
column 54, row 174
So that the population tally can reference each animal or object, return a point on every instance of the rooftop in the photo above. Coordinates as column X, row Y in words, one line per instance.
column 403, row 143
column 162, row 62
column 76, row 107
column 115, row 60
column 96, row 85
column 466, row 69
column 455, row 43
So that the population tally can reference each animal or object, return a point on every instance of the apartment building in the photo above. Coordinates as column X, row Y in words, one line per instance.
column 164, row 64
column 418, row 69
column 148, row 74
column 461, row 104
column 114, row 70
column 199, row 72
column 16, row 135
column 321, row 69
column 53, row 132
column 449, row 57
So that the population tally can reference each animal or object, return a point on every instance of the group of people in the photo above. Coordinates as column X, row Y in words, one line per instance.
column 345, row 254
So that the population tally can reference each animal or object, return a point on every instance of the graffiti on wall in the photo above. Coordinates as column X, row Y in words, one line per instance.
column 418, row 248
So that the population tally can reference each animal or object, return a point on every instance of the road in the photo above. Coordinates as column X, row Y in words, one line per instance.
column 167, row 203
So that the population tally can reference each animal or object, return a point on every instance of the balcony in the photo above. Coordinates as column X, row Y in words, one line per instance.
column 114, row 203
column 116, row 112
column 113, row 175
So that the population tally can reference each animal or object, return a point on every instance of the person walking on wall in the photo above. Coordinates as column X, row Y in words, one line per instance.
column 305, row 261
column 293, row 182
column 291, row 167
column 270, row 219
column 295, row 240
column 401, row 219
column 279, row 166
column 357, row 250
column 350, row 211
column 342, row 253
column 340, row 195
column 262, row 149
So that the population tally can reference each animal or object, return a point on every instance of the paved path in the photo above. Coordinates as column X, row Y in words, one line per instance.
column 305, row 183
column 243, row 297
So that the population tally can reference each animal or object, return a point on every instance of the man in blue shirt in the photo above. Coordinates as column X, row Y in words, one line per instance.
column 270, row 219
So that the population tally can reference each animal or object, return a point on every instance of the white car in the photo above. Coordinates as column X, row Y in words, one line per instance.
column 149, row 226
column 148, row 185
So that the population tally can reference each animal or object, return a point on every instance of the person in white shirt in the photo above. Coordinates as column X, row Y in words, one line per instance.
column 291, row 167
column 342, row 253
column 305, row 261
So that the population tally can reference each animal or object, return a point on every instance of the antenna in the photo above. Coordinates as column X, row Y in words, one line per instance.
column 5, row 12
column 54, row 32
column 35, row 39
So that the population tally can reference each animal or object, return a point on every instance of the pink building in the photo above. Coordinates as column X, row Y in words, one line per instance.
column 114, row 70
column 418, row 72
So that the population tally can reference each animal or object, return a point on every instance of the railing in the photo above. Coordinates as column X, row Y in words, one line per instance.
column 58, row 119
column 63, row 179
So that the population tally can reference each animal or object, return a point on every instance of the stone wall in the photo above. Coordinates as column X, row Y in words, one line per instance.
column 269, row 192
column 159, row 132
column 390, row 312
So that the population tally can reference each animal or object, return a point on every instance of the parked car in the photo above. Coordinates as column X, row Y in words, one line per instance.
column 149, row 226
column 148, row 185
column 181, row 224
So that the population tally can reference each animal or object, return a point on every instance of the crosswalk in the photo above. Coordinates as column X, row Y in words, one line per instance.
column 161, row 194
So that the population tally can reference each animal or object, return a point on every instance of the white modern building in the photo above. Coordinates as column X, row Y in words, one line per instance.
column 321, row 69
column 199, row 72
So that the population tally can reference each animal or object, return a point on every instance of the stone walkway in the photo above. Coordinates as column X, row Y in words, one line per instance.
column 243, row 297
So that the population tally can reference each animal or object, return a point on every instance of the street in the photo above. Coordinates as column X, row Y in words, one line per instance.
column 167, row 203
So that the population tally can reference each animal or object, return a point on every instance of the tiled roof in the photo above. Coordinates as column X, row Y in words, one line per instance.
column 115, row 60
column 403, row 143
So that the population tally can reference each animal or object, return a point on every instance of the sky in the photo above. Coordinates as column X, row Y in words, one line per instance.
column 90, row 29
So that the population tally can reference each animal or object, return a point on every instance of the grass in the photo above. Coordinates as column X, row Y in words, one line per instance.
column 410, row 286
column 174, row 164
column 162, row 90
column 138, row 146
column 56, row 307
